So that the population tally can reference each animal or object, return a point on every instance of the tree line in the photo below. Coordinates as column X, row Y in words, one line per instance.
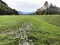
column 48, row 9
column 6, row 10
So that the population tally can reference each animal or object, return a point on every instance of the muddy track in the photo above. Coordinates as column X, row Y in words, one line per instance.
column 21, row 33
column 24, row 30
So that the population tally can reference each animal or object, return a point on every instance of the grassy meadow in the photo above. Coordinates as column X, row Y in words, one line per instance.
column 45, row 30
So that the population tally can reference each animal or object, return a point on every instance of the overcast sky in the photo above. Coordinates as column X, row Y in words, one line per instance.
column 29, row 5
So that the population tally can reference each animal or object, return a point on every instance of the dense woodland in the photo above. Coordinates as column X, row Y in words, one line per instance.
column 48, row 9
column 6, row 10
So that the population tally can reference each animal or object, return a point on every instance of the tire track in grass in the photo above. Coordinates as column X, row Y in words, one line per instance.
column 24, row 30
column 21, row 33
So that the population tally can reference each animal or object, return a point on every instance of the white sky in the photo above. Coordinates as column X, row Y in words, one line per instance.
column 29, row 5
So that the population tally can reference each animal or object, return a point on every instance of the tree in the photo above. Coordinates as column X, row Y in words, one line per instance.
column 51, row 5
column 46, row 5
column 6, row 10
column 48, row 9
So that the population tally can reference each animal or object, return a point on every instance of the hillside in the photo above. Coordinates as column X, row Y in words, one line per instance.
column 6, row 10
column 28, row 30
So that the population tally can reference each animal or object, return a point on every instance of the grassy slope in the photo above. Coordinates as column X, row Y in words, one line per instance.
column 42, row 33
column 55, row 20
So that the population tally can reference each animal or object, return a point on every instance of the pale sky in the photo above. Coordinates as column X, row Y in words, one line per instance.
column 29, row 5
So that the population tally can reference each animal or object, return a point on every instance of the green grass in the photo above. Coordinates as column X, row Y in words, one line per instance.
column 54, row 19
column 45, row 29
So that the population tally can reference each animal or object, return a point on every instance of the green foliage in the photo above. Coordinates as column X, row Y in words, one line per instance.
column 48, row 9
column 6, row 10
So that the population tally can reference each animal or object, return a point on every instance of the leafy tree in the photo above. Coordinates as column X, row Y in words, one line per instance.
column 46, row 5
column 48, row 9
column 6, row 10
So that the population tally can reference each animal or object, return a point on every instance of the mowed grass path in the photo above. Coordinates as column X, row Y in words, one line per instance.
column 42, row 33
